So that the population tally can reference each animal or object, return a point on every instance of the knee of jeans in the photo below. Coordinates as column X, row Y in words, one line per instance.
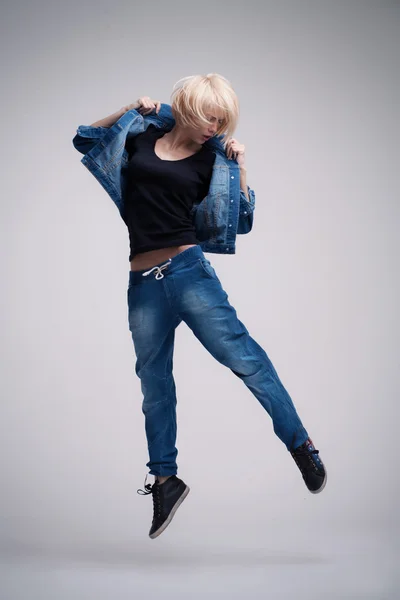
column 158, row 405
column 157, row 389
column 249, row 367
column 151, row 371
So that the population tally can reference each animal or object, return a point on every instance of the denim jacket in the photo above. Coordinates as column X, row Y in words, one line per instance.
column 222, row 214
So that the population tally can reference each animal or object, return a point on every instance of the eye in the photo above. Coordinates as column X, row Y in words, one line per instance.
column 212, row 119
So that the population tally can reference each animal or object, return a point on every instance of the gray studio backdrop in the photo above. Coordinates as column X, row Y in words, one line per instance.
column 315, row 282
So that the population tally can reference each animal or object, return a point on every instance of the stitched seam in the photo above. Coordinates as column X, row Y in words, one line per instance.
column 114, row 158
column 211, row 276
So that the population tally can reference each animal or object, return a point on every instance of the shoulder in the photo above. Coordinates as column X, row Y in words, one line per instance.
column 152, row 129
column 208, row 156
column 205, row 160
column 150, row 132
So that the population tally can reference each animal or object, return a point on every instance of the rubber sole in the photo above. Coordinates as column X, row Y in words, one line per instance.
column 323, row 483
column 171, row 514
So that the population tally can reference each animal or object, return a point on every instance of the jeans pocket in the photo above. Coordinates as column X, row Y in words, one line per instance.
column 207, row 268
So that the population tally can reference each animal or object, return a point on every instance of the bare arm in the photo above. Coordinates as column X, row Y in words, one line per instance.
column 144, row 104
column 243, row 181
column 110, row 120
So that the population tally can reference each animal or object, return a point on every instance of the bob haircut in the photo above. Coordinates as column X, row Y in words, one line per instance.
column 192, row 97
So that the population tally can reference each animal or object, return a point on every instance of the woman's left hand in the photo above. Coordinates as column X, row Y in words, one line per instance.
column 235, row 150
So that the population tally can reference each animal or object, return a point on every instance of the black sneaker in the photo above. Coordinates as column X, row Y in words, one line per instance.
column 311, row 466
column 167, row 497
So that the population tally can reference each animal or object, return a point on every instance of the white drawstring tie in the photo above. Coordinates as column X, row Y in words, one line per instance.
column 159, row 274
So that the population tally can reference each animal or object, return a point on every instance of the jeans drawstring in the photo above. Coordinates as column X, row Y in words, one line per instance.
column 159, row 274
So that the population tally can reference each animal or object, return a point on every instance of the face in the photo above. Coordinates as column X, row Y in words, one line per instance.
column 204, row 132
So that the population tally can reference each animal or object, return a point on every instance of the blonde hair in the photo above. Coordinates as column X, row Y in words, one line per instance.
column 193, row 96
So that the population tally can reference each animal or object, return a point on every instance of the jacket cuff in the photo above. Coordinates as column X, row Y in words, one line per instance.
column 247, row 206
column 91, row 132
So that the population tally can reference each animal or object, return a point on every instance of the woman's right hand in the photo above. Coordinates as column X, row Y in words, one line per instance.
column 145, row 105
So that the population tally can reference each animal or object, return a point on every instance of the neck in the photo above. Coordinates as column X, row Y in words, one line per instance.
column 178, row 139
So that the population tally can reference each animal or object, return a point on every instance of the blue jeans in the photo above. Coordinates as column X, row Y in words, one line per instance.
column 187, row 288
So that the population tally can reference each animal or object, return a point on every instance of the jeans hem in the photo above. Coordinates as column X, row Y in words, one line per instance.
column 162, row 473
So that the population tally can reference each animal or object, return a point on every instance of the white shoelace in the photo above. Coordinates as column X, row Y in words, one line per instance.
column 159, row 274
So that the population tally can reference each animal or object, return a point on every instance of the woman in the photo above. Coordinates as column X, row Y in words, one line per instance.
column 180, row 185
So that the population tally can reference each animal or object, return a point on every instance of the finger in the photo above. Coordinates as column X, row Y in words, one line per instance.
column 150, row 106
column 147, row 108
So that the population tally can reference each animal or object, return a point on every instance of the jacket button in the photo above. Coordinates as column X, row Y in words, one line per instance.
column 231, row 201
column 232, row 177
column 230, row 224
column 245, row 212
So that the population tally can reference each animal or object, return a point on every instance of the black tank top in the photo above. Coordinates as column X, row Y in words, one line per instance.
column 160, row 193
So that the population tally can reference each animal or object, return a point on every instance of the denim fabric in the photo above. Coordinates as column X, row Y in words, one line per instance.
column 218, row 218
column 188, row 289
